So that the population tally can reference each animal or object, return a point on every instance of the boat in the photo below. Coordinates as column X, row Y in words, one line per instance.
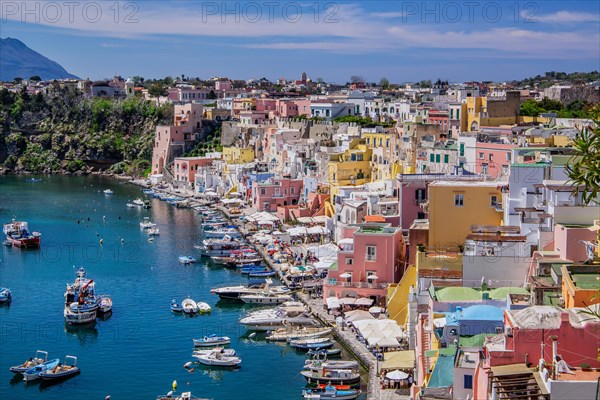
column 221, row 233
column 17, row 233
column 187, row 259
column 138, row 202
column 225, row 352
column 203, row 307
column 147, row 204
column 254, row 286
column 130, row 205
column 39, row 358
column 219, row 247
column 176, row 307
column 284, row 334
column 262, row 274
column 189, row 306
column 267, row 297
column 308, row 341
column 104, row 303
column 247, row 269
column 317, row 364
column 108, row 191
column 183, row 396
column 235, row 261
column 5, row 295
column 217, row 359
column 147, row 224
column 153, row 232
column 324, row 353
column 313, row 346
column 211, row 340
column 332, row 376
column 34, row 373
column 76, row 316
column 61, row 371
column 281, row 317
column 330, row 393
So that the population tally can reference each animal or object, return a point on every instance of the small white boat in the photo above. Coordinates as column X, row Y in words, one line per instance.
column 265, row 298
column 225, row 352
column 75, row 316
column 130, row 205
column 189, row 306
column 211, row 340
column 187, row 259
column 203, row 307
column 39, row 358
column 34, row 373
column 5, row 295
column 153, row 232
column 215, row 358
column 183, row 396
column 104, row 303
column 176, row 307
column 147, row 224
column 108, row 191
column 138, row 202
column 61, row 371
column 285, row 334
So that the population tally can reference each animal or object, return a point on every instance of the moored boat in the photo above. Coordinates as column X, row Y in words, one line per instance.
column 34, row 373
column 254, row 286
column 108, row 191
column 223, row 351
column 39, row 358
column 183, row 396
column 153, row 232
column 267, row 297
column 176, row 307
column 217, row 359
column 283, row 334
column 330, row 393
column 324, row 353
column 262, row 274
column 313, row 346
column 187, row 259
column 104, row 303
column 211, row 340
column 203, row 307
column 189, row 306
column 17, row 233
column 77, row 316
column 332, row 376
column 138, row 202
column 5, row 295
column 147, row 224
column 61, row 371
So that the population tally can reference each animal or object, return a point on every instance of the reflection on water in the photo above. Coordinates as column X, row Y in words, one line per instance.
column 56, row 382
column 104, row 316
column 85, row 334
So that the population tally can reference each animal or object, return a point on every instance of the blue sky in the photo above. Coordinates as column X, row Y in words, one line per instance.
column 401, row 40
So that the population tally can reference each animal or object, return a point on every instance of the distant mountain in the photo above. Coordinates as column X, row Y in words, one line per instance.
column 18, row 60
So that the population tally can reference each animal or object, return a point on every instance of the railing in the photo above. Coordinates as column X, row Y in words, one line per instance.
column 359, row 285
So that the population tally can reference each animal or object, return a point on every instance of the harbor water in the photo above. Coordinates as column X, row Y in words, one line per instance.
column 139, row 350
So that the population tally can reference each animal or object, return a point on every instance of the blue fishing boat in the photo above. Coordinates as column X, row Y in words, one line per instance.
column 262, row 274
column 34, row 373
column 253, row 268
column 176, row 307
column 5, row 295
column 331, row 393
column 324, row 353
column 312, row 346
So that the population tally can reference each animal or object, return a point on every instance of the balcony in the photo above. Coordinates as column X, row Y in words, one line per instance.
column 359, row 285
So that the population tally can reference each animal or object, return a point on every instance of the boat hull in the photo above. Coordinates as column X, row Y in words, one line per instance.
column 46, row 376
column 26, row 243
column 352, row 381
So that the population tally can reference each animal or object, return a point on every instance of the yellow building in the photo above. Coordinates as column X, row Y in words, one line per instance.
column 236, row 155
column 242, row 104
column 580, row 285
column 490, row 111
column 350, row 168
column 454, row 206
column 377, row 139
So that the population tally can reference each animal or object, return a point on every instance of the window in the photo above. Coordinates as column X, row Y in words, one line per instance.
column 508, row 156
column 431, row 158
column 499, row 330
column 493, row 201
column 491, row 157
column 505, row 170
column 459, row 200
column 262, row 191
column 371, row 253
column 293, row 190
column 484, row 168
column 462, row 150
column 481, row 156
column 446, row 157
column 468, row 382
column 437, row 158
column 349, row 261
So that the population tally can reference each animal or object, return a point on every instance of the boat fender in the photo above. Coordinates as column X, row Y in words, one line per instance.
column 252, row 335
column 174, row 385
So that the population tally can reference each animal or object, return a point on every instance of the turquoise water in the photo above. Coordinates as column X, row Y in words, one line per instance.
column 139, row 350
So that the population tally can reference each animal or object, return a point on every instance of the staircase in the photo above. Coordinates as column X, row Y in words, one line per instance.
column 167, row 174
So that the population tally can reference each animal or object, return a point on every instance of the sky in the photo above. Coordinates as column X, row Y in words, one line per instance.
column 404, row 41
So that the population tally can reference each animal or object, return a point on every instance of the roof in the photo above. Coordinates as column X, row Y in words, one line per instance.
column 587, row 281
column 536, row 317
column 398, row 360
column 374, row 218
column 480, row 312
column 467, row 184
column 443, row 372
column 512, row 369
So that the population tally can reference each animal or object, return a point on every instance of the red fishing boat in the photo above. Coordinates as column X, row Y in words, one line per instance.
column 17, row 234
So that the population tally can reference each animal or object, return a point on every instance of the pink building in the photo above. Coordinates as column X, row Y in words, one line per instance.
column 493, row 159
column 189, row 94
column 170, row 141
column 412, row 193
column 368, row 261
column 569, row 241
column 439, row 117
column 278, row 192
column 223, row 85
column 185, row 168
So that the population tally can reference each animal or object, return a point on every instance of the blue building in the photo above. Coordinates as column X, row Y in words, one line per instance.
column 473, row 320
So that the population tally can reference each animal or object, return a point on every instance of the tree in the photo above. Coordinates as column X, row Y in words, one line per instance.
column 157, row 90
column 168, row 80
column 18, row 80
column 35, row 78
column 425, row 83
column 356, row 79
column 530, row 108
column 384, row 82
column 583, row 168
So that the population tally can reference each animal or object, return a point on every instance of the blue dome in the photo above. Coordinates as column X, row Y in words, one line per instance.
column 480, row 312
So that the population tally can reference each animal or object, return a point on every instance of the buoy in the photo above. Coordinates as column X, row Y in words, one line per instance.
column 174, row 385
column 101, row 241
column 122, row 240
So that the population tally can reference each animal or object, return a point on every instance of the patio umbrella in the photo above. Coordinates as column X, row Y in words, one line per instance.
column 333, row 302
column 346, row 275
column 396, row 375
column 375, row 310
column 347, row 301
column 372, row 277
column 363, row 301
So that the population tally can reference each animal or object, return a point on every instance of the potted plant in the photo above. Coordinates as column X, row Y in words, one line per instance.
column 586, row 367
column 421, row 247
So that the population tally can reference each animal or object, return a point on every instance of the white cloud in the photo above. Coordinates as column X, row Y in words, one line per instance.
column 391, row 14
column 562, row 17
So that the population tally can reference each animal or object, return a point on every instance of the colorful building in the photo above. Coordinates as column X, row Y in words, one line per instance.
column 580, row 285
column 185, row 168
column 237, row 155
column 277, row 192
column 350, row 168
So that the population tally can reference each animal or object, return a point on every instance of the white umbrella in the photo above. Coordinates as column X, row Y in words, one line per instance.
column 333, row 302
column 347, row 301
column 372, row 277
column 346, row 275
column 375, row 310
column 396, row 375
column 364, row 301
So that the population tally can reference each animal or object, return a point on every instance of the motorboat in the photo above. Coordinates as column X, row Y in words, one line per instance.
column 283, row 334
column 17, row 233
column 221, row 233
column 5, row 295
column 267, row 297
column 108, row 191
column 330, row 393
column 324, row 353
column 339, row 364
column 147, row 224
column 39, row 358
column 219, row 247
column 189, row 306
column 332, row 376
column 262, row 274
column 130, row 205
column 203, row 307
column 217, row 359
column 312, row 344
column 187, row 259
column 176, row 307
column 211, row 340
column 104, row 303
column 153, row 232
column 223, row 351
column 183, row 396
column 253, row 287
column 61, row 371
column 75, row 316
column 281, row 317
column 138, row 202
column 34, row 373
column 309, row 341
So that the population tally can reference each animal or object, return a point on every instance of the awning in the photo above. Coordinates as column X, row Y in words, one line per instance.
column 384, row 342
column 363, row 301
column 347, row 300
column 374, row 218
column 321, row 230
column 376, row 310
column 332, row 302
column 346, row 275
column 398, row 360
column 396, row 375
column 358, row 315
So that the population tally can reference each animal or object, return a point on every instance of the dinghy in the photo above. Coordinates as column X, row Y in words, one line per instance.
column 61, row 371
column 34, row 373
column 39, row 358
column 211, row 340
column 189, row 306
